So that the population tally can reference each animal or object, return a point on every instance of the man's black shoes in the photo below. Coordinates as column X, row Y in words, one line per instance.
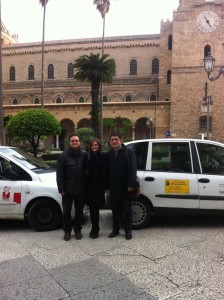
column 113, row 234
column 128, row 235
column 67, row 236
column 78, row 234
column 93, row 235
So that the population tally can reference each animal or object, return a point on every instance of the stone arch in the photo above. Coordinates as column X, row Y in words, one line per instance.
column 36, row 100
column 70, row 99
column 152, row 97
column 48, row 99
column 67, row 128
column 116, row 98
column 88, row 99
column 84, row 123
column 14, row 101
column 106, row 98
column 25, row 100
column 128, row 97
column 81, row 99
column 58, row 100
column 144, row 128
column 140, row 97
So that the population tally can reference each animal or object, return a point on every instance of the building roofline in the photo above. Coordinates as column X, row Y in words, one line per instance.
column 88, row 40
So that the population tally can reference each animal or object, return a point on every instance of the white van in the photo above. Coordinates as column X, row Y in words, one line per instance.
column 178, row 176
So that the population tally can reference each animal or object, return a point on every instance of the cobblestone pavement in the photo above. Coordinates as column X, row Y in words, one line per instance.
column 173, row 259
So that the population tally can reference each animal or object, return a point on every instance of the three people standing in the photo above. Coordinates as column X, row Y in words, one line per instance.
column 80, row 177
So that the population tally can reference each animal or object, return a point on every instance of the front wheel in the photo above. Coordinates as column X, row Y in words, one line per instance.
column 141, row 213
column 45, row 215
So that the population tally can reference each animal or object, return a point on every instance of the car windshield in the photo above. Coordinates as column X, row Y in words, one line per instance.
column 24, row 158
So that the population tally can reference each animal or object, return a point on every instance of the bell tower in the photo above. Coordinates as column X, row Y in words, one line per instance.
column 198, row 27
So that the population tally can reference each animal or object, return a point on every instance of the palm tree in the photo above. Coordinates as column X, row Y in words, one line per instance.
column 103, row 7
column 95, row 69
column 43, row 3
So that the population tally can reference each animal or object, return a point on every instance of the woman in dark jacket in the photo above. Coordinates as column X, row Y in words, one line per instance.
column 95, row 185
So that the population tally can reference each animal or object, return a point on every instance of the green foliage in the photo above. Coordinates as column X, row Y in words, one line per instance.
column 95, row 69
column 6, row 119
column 118, row 124
column 86, row 134
column 33, row 125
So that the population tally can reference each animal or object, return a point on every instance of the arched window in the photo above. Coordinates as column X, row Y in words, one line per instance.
column 133, row 67
column 155, row 66
column 50, row 71
column 207, row 50
column 105, row 99
column 58, row 100
column 168, row 77
column 31, row 72
column 153, row 97
column 70, row 71
column 81, row 99
column 36, row 101
column 170, row 42
column 128, row 98
column 12, row 74
column 15, row 101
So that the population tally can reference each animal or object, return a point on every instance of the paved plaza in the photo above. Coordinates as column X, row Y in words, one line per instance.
column 173, row 259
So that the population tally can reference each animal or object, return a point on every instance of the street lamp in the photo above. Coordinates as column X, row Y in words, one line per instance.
column 209, row 65
column 149, row 124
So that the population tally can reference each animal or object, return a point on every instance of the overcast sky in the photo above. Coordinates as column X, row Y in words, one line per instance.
column 71, row 19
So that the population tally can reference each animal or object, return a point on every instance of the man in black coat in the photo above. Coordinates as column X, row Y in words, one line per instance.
column 71, row 174
column 122, row 173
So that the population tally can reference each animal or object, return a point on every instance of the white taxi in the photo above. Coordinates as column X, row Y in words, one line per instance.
column 28, row 190
column 178, row 176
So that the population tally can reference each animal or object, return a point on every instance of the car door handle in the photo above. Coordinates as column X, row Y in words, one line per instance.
column 204, row 180
column 149, row 178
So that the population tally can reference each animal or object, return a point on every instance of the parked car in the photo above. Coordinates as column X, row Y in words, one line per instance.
column 178, row 176
column 28, row 190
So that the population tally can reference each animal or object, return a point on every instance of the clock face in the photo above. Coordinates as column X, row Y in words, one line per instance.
column 207, row 21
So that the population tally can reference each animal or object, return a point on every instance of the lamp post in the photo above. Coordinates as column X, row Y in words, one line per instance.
column 207, row 102
column 209, row 65
column 149, row 125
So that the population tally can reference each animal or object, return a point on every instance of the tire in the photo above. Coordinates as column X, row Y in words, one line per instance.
column 45, row 215
column 141, row 213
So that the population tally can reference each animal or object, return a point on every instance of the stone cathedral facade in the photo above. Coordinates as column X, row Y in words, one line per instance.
column 159, row 85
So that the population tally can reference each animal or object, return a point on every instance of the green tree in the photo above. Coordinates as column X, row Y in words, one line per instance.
column 33, row 124
column 86, row 134
column 43, row 3
column 120, row 125
column 95, row 69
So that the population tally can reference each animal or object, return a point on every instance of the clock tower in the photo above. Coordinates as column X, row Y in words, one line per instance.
column 197, row 29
